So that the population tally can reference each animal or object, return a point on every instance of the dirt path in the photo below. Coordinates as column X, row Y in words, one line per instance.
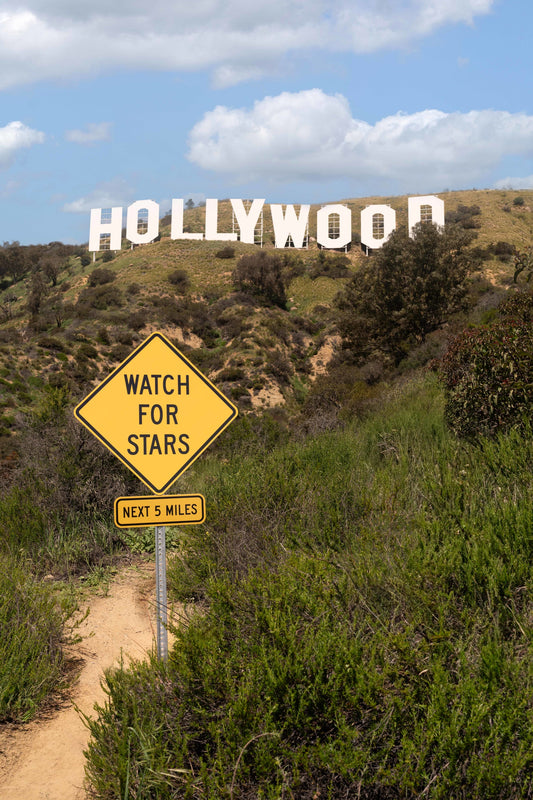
column 44, row 759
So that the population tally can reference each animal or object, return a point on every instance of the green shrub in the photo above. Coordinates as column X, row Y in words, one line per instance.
column 120, row 352
column 225, row 252
column 101, row 275
column 504, row 251
column 294, row 682
column 262, row 274
column 465, row 216
column 487, row 373
column 57, row 506
column 102, row 336
column 180, row 279
column 32, row 664
column 99, row 297
column 86, row 350
column 52, row 343
column 137, row 320
column 133, row 289
column 332, row 267
column 231, row 373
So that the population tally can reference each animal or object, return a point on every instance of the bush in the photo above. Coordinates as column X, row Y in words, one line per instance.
column 31, row 633
column 52, row 343
column 101, row 275
column 333, row 267
column 99, row 298
column 518, row 201
column 488, row 372
column 137, row 320
column 504, row 251
column 102, row 336
column 225, row 252
column 86, row 350
column 120, row 352
column 180, row 279
column 465, row 216
column 133, row 289
column 262, row 275
column 523, row 263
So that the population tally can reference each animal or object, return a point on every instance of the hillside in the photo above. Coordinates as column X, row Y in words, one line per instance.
column 58, row 329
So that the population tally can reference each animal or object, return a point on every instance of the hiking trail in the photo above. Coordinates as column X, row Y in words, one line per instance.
column 43, row 760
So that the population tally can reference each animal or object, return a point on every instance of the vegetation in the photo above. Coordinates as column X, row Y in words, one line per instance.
column 409, row 287
column 31, row 632
column 366, row 628
column 488, row 371
column 261, row 274
column 359, row 600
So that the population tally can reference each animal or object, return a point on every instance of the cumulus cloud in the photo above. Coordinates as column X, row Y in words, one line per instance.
column 94, row 132
column 116, row 192
column 14, row 137
column 38, row 37
column 310, row 135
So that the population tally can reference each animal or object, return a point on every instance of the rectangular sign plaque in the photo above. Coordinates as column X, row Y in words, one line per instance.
column 179, row 509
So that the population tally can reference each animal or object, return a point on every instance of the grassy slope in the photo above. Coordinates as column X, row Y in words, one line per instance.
column 367, row 631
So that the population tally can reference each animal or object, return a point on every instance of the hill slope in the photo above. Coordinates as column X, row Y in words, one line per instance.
column 65, row 325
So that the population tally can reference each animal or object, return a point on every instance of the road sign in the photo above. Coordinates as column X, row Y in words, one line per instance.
column 156, row 412
column 180, row 509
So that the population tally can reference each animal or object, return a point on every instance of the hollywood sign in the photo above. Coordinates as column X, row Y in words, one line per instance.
column 333, row 223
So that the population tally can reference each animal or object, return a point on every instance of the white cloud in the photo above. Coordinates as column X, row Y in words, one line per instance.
column 310, row 135
column 115, row 192
column 515, row 183
column 39, row 37
column 14, row 137
column 94, row 132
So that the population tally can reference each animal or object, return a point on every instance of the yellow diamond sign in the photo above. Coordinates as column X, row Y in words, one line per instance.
column 156, row 412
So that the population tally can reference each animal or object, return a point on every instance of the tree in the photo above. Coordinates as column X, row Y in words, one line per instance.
column 189, row 204
column 38, row 290
column 15, row 261
column 407, row 289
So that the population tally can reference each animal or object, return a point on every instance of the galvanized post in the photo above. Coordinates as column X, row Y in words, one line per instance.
column 161, row 592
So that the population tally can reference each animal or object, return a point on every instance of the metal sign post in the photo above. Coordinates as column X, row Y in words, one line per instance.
column 161, row 592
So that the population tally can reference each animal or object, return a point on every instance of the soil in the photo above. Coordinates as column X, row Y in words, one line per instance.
column 43, row 760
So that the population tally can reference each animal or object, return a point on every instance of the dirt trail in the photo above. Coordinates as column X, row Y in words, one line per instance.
column 44, row 759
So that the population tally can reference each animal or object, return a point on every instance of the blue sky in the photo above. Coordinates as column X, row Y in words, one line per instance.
column 292, row 100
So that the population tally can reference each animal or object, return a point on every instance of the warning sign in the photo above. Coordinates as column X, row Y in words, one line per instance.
column 156, row 412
